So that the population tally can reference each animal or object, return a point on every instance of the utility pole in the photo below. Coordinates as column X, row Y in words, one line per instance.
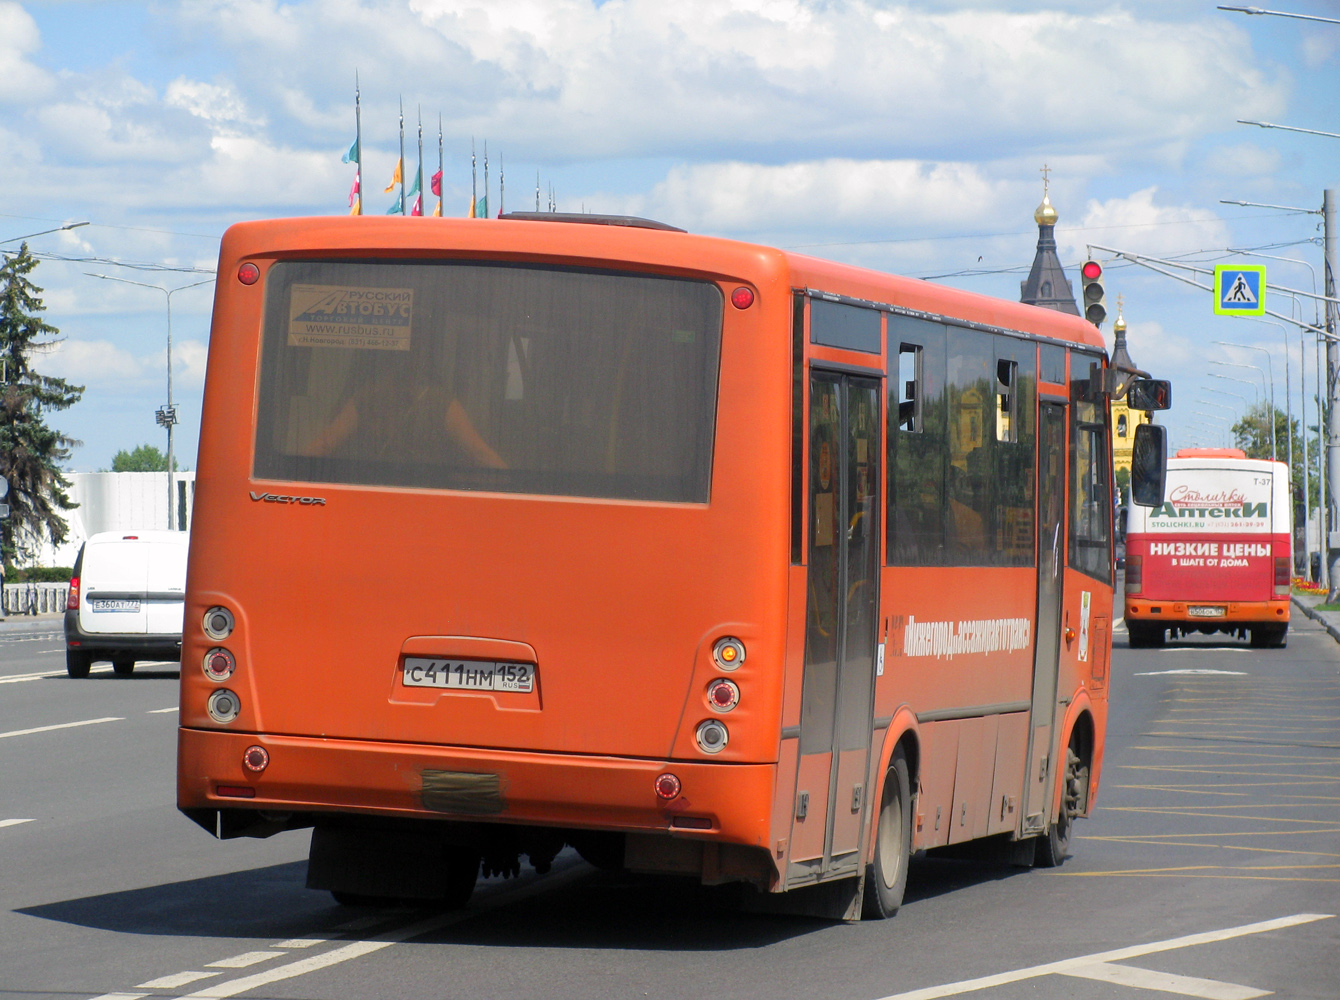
column 1332, row 387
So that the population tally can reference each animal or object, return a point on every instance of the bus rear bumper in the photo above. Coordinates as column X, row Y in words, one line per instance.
column 729, row 803
column 1214, row 612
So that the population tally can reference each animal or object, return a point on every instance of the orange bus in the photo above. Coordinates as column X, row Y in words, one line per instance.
column 698, row 556
column 1216, row 555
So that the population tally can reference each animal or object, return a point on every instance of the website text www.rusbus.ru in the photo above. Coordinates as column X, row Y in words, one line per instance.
column 949, row 639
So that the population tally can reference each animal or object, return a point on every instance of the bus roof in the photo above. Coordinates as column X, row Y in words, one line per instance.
column 1210, row 453
column 676, row 252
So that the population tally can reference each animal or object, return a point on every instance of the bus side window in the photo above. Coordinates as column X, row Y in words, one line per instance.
column 1007, row 373
column 1091, row 495
column 909, row 388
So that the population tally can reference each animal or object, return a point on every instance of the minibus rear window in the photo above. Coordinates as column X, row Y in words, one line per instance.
column 496, row 377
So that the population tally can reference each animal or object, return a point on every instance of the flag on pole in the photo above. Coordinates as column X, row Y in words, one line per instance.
column 471, row 213
column 355, row 197
column 397, row 208
column 397, row 179
column 435, row 184
column 481, row 208
column 413, row 187
column 418, row 206
column 352, row 155
column 437, row 209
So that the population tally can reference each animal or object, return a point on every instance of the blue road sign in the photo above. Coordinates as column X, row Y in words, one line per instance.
column 1239, row 290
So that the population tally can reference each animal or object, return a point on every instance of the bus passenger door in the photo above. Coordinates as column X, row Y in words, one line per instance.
column 837, row 699
column 1047, row 636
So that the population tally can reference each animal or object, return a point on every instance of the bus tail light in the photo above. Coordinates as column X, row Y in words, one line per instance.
column 723, row 695
column 742, row 298
column 1282, row 576
column 248, row 273
column 712, row 736
column 219, row 664
column 223, row 706
column 667, row 786
column 728, row 653
column 236, row 791
column 72, row 601
column 256, row 759
column 1135, row 574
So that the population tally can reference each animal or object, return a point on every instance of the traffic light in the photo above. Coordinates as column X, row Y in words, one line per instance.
column 1091, row 281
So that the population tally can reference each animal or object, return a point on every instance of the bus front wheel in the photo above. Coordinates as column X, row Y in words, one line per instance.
column 886, row 876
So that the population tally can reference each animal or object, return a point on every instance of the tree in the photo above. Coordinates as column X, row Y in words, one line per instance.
column 145, row 458
column 30, row 451
column 1252, row 435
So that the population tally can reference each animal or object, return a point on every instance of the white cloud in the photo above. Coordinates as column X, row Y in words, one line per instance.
column 105, row 367
column 20, row 80
column 1246, row 159
column 218, row 104
column 1156, row 349
column 1138, row 224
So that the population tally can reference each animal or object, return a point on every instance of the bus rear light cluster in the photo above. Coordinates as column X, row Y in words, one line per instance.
column 728, row 653
column 256, row 759
column 667, row 786
column 712, row 736
column 723, row 695
column 72, row 601
column 1282, row 575
column 219, row 664
column 1135, row 574
column 223, row 706
column 218, row 623
column 742, row 298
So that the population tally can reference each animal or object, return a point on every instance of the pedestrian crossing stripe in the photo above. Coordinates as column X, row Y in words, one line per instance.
column 1239, row 290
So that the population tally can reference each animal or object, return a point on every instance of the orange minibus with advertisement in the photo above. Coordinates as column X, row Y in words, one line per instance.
column 1216, row 555
column 698, row 556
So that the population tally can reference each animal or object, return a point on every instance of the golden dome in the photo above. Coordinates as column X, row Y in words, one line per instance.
column 1120, row 325
column 1045, row 214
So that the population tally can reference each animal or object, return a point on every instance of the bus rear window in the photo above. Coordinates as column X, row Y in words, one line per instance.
column 472, row 376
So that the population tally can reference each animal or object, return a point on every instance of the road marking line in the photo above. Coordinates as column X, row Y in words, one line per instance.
column 300, row 942
column 1147, row 979
column 1189, row 670
column 160, row 711
column 357, row 949
column 13, row 822
column 16, row 678
column 63, row 725
column 175, row 980
column 121, row 996
column 1117, row 954
column 243, row 960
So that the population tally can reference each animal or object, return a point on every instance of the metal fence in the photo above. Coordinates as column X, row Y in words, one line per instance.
column 33, row 598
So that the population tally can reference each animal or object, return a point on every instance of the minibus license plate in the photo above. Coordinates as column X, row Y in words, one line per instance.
column 131, row 605
column 1206, row 612
column 469, row 675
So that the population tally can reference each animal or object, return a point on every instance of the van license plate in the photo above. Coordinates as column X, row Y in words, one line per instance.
column 1216, row 612
column 469, row 675
column 131, row 605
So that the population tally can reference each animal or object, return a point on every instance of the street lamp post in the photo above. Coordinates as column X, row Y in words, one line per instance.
column 44, row 232
column 166, row 416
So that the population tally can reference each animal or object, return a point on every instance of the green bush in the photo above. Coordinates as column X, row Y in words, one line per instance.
column 40, row 574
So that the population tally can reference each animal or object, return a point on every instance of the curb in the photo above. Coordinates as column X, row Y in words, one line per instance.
column 1317, row 617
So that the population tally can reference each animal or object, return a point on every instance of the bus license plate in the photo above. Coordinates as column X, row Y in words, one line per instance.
column 1206, row 612
column 469, row 675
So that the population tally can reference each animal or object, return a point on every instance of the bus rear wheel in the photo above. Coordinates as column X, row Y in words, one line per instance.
column 1054, row 847
column 1269, row 636
column 886, row 876
column 1142, row 635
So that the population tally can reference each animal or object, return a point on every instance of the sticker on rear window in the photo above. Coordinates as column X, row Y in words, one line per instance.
column 370, row 319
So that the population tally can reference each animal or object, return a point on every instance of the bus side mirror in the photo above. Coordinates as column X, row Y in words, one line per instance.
column 1149, row 464
column 1149, row 394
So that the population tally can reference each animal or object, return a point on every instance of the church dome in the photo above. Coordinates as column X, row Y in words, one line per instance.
column 1045, row 214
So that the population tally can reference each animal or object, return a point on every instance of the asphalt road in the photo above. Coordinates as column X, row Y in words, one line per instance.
column 1211, row 868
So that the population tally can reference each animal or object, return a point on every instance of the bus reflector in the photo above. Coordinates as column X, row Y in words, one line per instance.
column 742, row 298
column 723, row 695
column 667, row 786
column 248, row 273
column 236, row 791
column 223, row 706
column 256, row 759
column 1282, row 575
column 692, row 822
column 712, row 736
column 218, row 623
column 1135, row 574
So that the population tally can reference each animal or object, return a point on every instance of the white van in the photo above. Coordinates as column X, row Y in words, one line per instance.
column 127, row 597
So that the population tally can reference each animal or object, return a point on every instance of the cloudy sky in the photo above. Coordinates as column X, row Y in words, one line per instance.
column 901, row 136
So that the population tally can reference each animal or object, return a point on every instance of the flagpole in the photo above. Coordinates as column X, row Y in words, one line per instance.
column 441, row 177
column 474, row 182
column 537, row 190
column 421, row 198
column 402, row 155
column 502, row 185
column 358, row 144
column 486, row 178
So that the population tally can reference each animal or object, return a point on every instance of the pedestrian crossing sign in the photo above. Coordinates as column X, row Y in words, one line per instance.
column 1239, row 289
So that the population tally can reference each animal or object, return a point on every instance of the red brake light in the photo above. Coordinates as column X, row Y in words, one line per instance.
column 1092, row 269
column 236, row 791
column 1282, row 574
column 72, row 601
column 1135, row 572
column 256, row 759
column 667, row 786
column 742, row 298
column 723, row 695
column 130, row 538
column 248, row 273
